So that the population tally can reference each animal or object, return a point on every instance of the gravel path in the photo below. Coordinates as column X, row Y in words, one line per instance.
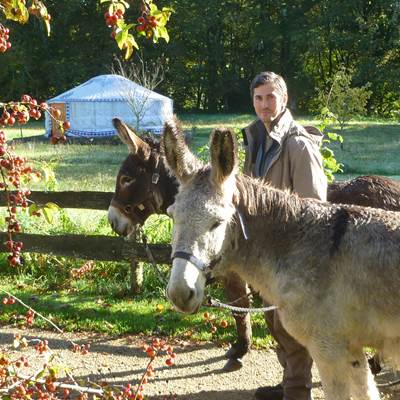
column 196, row 374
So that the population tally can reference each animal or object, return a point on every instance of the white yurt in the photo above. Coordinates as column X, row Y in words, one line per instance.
column 91, row 106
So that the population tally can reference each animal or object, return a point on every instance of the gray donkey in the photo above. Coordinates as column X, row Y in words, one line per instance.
column 333, row 271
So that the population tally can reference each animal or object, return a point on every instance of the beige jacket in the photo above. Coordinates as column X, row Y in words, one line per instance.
column 292, row 162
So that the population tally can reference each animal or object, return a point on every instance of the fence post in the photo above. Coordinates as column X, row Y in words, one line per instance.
column 136, row 270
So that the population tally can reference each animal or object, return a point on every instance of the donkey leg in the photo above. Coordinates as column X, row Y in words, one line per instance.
column 362, row 383
column 334, row 373
column 235, row 289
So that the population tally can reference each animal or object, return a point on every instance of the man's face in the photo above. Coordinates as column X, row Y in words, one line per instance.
column 268, row 102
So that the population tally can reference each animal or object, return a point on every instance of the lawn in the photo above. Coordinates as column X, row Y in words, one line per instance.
column 370, row 147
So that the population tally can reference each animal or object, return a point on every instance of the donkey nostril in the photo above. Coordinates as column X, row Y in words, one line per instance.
column 191, row 294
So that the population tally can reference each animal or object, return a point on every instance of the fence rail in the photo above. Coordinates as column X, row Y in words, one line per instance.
column 88, row 247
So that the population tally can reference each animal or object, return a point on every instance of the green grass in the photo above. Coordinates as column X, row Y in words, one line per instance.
column 100, row 301
column 33, row 128
column 370, row 149
column 74, row 310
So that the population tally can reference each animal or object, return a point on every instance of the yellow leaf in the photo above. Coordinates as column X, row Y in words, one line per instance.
column 48, row 214
column 52, row 206
column 47, row 24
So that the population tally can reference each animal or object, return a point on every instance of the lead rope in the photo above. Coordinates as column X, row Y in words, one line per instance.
column 388, row 384
column 218, row 304
column 150, row 256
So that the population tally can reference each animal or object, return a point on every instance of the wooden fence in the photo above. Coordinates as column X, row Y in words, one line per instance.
column 88, row 247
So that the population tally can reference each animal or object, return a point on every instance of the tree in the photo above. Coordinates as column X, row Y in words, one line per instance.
column 146, row 74
column 344, row 100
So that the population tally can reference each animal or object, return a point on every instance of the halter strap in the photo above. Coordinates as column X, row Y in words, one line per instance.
column 150, row 199
column 199, row 264
column 242, row 223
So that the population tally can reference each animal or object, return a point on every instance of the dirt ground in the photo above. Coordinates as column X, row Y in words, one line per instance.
column 197, row 373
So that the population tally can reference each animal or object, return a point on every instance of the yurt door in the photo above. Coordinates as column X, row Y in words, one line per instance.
column 55, row 129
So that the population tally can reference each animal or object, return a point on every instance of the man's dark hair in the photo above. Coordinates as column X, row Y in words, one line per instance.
column 268, row 76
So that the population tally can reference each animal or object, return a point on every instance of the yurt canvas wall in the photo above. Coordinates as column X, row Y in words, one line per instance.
column 91, row 106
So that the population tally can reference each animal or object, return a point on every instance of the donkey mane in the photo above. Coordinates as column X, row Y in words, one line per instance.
column 255, row 197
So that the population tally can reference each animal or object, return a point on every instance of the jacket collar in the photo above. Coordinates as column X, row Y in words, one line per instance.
column 282, row 128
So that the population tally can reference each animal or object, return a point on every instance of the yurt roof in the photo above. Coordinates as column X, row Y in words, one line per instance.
column 104, row 88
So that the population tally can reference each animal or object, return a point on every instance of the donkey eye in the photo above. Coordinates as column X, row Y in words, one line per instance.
column 126, row 180
column 128, row 209
column 216, row 225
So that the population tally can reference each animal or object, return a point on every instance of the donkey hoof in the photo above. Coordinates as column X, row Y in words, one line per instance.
column 231, row 353
column 236, row 351
column 233, row 364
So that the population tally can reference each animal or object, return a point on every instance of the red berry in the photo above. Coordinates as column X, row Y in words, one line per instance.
column 51, row 387
column 25, row 98
column 14, row 261
column 223, row 324
column 169, row 361
column 56, row 112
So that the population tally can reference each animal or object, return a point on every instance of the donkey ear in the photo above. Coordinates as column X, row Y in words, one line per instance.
column 223, row 153
column 135, row 144
column 181, row 161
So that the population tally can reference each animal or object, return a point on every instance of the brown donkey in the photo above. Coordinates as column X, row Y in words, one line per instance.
column 144, row 187
column 317, row 262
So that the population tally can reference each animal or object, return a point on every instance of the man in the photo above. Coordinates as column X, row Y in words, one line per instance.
column 286, row 155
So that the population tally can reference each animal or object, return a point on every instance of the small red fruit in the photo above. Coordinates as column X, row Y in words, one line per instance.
column 223, row 324
column 66, row 125
column 56, row 112
column 169, row 361
column 14, row 261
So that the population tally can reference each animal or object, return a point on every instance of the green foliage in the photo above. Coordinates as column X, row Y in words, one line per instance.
column 158, row 229
column 331, row 165
column 395, row 112
column 344, row 101
column 215, row 51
